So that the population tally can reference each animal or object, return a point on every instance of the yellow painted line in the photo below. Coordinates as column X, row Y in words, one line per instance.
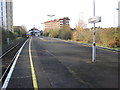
column 35, row 85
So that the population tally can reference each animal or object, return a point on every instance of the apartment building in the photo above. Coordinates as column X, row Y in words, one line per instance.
column 6, row 14
column 3, row 13
column 56, row 24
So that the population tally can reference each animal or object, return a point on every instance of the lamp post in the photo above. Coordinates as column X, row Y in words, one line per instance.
column 81, row 13
column 33, row 26
column 42, row 26
column 39, row 27
column 94, row 20
column 115, row 26
column 118, row 14
column 94, row 37
column 51, row 24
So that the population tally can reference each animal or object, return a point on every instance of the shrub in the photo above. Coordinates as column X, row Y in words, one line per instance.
column 65, row 33
column 55, row 33
column 105, row 37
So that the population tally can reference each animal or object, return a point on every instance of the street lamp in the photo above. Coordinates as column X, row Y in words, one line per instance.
column 94, row 36
column 116, row 9
column 81, row 13
column 51, row 24
column 39, row 27
column 33, row 25
column 43, row 26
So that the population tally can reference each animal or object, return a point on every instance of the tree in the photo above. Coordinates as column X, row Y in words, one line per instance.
column 20, row 30
column 76, row 35
column 65, row 33
column 81, row 24
column 55, row 33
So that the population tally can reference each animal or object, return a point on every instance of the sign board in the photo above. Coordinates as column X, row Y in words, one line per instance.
column 94, row 20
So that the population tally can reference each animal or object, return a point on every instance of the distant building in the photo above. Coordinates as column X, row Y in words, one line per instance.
column 119, row 14
column 56, row 24
column 34, row 32
column 6, row 14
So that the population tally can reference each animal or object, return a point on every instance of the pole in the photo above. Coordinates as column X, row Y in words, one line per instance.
column 51, row 24
column 94, row 37
column 115, row 26
column 42, row 26
column 51, row 27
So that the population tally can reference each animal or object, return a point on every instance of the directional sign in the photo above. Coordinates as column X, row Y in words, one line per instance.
column 94, row 20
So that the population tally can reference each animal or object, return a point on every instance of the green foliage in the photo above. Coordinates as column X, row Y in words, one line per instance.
column 108, row 37
column 46, row 33
column 55, row 33
column 7, row 34
column 65, row 33
column 12, row 38
column 104, row 36
column 88, row 36
column 78, row 34
column 20, row 30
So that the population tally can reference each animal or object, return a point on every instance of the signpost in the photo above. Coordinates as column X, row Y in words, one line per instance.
column 94, row 20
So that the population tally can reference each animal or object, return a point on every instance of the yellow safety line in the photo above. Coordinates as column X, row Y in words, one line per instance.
column 35, row 85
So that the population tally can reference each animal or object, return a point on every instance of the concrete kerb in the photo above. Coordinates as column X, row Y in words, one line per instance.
column 88, row 45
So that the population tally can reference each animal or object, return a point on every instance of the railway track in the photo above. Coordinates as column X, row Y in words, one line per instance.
column 8, row 59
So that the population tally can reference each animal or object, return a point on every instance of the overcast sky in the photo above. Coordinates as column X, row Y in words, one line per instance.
column 34, row 12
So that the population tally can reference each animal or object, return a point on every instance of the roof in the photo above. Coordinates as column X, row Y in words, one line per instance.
column 57, row 20
column 33, row 29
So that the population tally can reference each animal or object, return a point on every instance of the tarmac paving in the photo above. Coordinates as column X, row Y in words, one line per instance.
column 60, row 64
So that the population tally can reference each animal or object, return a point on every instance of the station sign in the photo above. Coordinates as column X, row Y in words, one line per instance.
column 94, row 20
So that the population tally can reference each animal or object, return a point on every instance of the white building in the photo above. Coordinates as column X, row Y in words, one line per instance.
column 34, row 32
column 119, row 14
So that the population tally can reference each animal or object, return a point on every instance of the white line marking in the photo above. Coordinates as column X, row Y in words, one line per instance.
column 8, row 67
column 12, row 68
